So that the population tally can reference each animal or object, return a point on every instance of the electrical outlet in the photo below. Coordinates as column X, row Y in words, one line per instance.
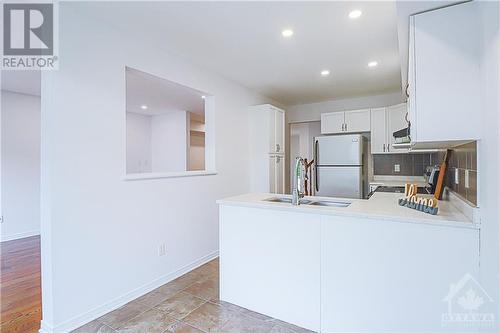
column 162, row 250
column 397, row 168
column 467, row 185
column 457, row 181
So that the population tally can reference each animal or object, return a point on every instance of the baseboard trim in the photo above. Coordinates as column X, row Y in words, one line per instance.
column 6, row 238
column 45, row 328
column 101, row 310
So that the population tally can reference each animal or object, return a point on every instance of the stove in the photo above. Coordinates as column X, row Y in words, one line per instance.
column 399, row 189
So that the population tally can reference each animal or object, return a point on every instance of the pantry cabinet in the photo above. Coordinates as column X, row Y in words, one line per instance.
column 355, row 121
column 444, row 76
column 267, row 148
column 277, row 174
column 384, row 122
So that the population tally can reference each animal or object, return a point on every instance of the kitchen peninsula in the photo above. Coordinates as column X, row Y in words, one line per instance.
column 333, row 264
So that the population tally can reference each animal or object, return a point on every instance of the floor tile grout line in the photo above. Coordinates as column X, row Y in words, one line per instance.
column 154, row 307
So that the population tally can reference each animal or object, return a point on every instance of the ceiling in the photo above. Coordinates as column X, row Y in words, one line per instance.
column 159, row 95
column 242, row 41
column 24, row 82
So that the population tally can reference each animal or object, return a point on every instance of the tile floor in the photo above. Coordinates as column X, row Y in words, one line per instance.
column 189, row 304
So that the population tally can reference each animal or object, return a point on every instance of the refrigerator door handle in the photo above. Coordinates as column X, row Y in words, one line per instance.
column 316, row 165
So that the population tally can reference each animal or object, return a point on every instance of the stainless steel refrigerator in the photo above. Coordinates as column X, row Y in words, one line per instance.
column 340, row 166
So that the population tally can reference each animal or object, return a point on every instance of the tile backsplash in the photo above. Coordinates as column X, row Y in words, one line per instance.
column 463, row 160
column 409, row 164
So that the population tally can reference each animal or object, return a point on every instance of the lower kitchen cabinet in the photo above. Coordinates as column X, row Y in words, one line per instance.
column 335, row 273
column 390, row 276
column 270, row 263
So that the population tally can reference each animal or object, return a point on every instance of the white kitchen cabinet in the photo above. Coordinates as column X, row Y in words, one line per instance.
column 354, row 121
column 379, row 131
column 267, row 148
column 270, row 263
column 276, row 174
column 357, row 121
column 279, row 131
column 376, row 276
column 444, row 76
column 332, row 123
column 384, row 122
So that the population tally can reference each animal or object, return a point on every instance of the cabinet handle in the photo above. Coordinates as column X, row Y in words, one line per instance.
column 346, row 127
column 384, row 147
column 277, row 147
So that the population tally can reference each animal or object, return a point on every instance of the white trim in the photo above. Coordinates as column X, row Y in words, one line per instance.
column 157, row 175
column 114, row 304
column 5, row 238
column 45, row 328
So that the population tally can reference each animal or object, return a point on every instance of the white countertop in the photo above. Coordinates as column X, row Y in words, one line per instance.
column 382, row 206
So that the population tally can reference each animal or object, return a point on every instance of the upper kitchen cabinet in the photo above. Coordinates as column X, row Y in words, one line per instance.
column 384, row 122
column 354, row 121
column 268, row 129
column 444, row 76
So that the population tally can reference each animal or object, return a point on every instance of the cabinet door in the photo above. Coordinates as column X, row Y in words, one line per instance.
column 396, row 120
column 272, row 174
column 279, row 127
column 332, row 122
column 379, row 131
column 357, row 121
column 271, row 115
column 447, row 73
column 280, row 175
column 410, row 89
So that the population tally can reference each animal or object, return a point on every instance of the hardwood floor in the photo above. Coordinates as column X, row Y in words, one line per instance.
column 20, row 289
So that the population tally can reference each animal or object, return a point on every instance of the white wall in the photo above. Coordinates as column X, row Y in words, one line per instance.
column 488, row 150
column 138, row 143
column 20, row 178
column 100, row 233
column 169, row 142
column 313, row 111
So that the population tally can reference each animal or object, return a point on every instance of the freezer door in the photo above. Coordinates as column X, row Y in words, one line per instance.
column 346, row 182
column 339, row 150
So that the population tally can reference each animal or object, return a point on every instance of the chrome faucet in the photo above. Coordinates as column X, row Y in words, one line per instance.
column 299, row 180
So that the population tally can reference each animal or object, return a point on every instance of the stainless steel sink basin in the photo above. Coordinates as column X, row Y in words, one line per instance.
column 324, row 203
column 330, row 203
column 288, row 200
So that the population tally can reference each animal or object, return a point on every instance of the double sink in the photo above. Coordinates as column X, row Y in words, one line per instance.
column 323, row 203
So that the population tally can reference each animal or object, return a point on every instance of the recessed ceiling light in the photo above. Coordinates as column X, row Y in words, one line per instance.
column 325, row 72
column 372, row 64
column 287, row 33
column 203, row 97
column 355, row 14
column 144, row 107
